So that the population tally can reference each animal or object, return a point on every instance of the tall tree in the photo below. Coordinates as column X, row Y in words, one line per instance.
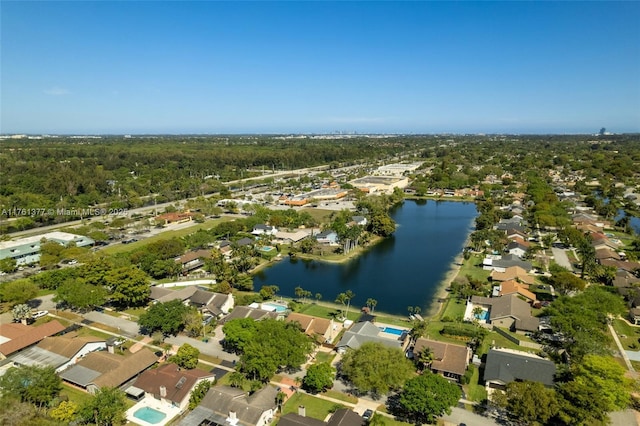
column 18, row 291
column 376, row 368
column 530, row 403
column 319, row 377
column 186, row 357
column 77, row 294
column 107, row 407
column 167, row 317
column 345, row 299
column 37, row 385
column 428, row 396
column 128, row 286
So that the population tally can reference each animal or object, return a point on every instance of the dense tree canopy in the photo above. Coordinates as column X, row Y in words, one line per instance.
column 582, row 320
column 425, row 397
column 530, row 403
column 376, row 368
column 107, row 407
column 186, row 357
column 37, row 385
column 167, row 317
column 319, row 377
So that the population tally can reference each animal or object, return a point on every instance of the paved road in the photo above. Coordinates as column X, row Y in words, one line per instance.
column 561, row 258
column 459, row 415
column 124, row 326
column 211, row 348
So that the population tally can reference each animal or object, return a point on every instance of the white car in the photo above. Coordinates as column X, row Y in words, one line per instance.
column 39, row 314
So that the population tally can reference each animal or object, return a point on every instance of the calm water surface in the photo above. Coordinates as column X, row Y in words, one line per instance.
column 404, row 270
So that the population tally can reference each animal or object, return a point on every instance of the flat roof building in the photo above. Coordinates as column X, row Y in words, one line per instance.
column 27, row 250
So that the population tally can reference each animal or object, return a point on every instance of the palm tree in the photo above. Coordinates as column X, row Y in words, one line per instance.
column 345, row 299
column 372, row 303
column 318, row 296
column 425, row 358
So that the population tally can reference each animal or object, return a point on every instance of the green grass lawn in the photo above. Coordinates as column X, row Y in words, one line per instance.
column 325, row 357
column 473, row 267
column 74, row 395
column 475, row 391
column 627, row 334
column 454, row 308
column 325, row 311
column 315, row 407
column 341, row 396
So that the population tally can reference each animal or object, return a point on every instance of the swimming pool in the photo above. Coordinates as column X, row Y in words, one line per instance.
column 277, row 308
column 391, row 330
column 149, row 415
column 483, row 316
column 267, row 249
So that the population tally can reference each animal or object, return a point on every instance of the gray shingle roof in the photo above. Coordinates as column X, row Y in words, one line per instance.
column 506, row 366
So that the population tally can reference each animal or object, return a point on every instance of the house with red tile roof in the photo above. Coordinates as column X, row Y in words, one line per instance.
column 15, row 337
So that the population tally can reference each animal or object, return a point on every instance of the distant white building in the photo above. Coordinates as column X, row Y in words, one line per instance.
column 27, row 250
column 397, row 169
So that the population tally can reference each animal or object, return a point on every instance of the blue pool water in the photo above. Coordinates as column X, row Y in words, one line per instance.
column 483, row 316
column 278, row 308
column 392, row 330
column 267, row 248
column 149, row 415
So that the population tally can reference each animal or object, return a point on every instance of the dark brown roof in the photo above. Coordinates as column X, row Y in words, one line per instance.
column 446, row 357
column 294, row 419
column 194, row 255
column 345, row 417
column 310, row 325
column 177, row 381
column 30, row 336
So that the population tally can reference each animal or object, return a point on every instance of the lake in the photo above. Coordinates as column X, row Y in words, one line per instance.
column 403, row 270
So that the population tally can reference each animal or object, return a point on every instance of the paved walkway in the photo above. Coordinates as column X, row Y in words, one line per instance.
column 623, row 353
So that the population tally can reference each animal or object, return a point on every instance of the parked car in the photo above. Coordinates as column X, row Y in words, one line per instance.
column 367, row 415
column 39, row 314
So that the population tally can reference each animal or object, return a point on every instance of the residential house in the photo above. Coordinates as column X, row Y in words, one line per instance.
column 606, row 253
column 249, row 312
column 171, row 384
column 103, row 369
column 328, row 236
column 291, row 237
column 193, row 260
column 634, row 316
column 227, row 406
column 220, row 304
column 262, row 229
column 216, row 304
column 500, row 264
column 508, row 312
column 341, row 417
column 359, row 220
column 363, row 332
column 321, row 329
column 173, row 217
column 448, row 359
column 504, row 366
column 16, row 337
column 246, row 241
column 513, row 273
column 58, row 352
column 513, row 287
column 517, row 248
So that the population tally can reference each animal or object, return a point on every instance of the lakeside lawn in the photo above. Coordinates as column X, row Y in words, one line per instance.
column 473, row 268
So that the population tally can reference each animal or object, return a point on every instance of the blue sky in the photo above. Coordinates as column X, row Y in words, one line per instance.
column 298, row 67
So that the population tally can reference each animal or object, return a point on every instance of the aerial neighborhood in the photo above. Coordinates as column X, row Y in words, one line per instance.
column 167, row 307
